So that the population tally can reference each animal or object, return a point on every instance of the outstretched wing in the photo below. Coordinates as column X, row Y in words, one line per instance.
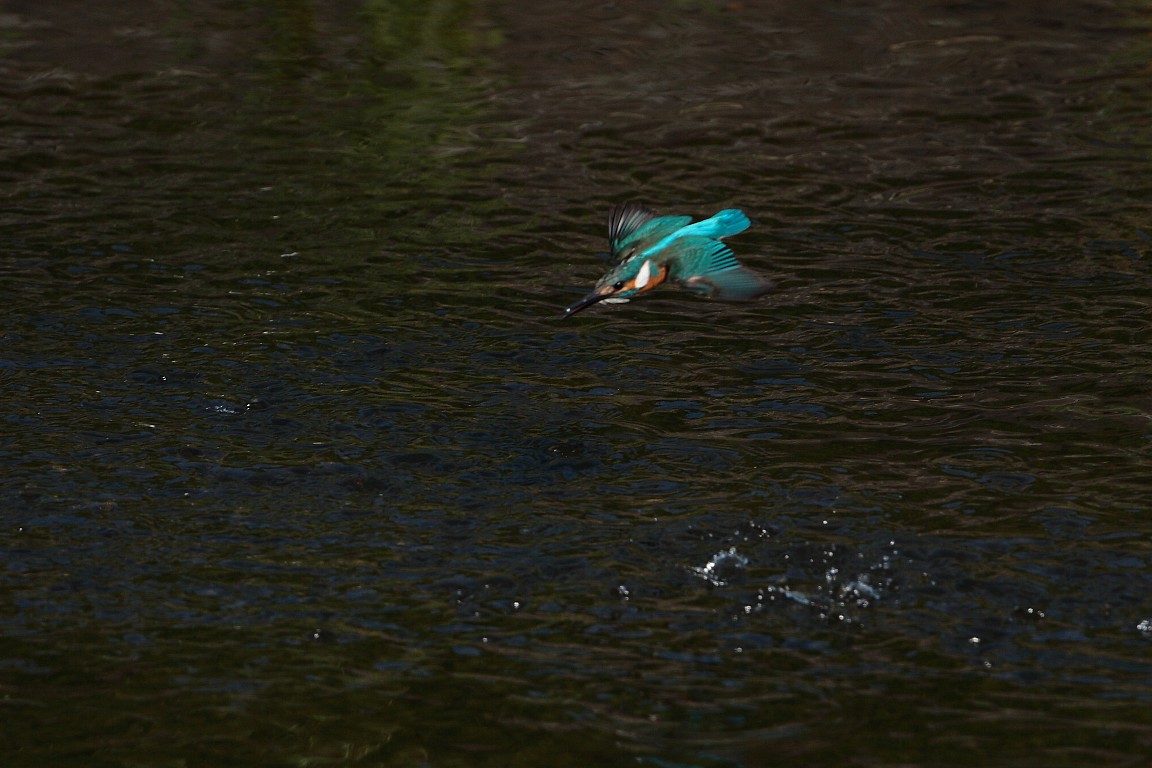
column 709, row 267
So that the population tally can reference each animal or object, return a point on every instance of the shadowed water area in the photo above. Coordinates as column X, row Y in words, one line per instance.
column 302, row 467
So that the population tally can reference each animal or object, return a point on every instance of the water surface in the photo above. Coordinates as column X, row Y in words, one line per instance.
column 302, row 466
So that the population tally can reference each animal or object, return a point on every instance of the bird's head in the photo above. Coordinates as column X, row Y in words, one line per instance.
column 629, row 278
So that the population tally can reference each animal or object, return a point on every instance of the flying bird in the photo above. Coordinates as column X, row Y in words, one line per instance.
column 649, row 250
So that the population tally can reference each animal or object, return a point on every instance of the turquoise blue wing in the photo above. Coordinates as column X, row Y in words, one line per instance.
column 654, row 231
column 708, row 267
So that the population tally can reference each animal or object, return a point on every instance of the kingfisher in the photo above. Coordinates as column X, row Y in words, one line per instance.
column 649, row 250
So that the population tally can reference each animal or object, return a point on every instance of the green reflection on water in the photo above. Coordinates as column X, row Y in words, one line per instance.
column 409, row 34
column 382, row 117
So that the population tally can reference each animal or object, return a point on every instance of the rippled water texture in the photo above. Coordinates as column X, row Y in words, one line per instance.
column 301, row 466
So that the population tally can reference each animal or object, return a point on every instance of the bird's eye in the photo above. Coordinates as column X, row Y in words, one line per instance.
column 618, row 286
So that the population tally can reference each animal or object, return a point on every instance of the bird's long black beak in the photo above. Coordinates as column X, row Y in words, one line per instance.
column 584, row 303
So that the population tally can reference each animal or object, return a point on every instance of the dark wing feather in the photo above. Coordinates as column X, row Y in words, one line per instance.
column 623, row 220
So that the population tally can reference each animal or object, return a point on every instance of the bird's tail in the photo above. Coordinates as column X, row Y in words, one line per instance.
column 728, row 222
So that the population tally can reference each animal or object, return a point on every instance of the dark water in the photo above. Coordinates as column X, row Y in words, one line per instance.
column 302, row 468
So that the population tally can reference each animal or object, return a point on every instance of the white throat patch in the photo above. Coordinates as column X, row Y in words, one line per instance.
column 644, row 274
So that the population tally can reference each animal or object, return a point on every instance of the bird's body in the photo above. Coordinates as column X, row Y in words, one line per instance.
column 650, row 250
